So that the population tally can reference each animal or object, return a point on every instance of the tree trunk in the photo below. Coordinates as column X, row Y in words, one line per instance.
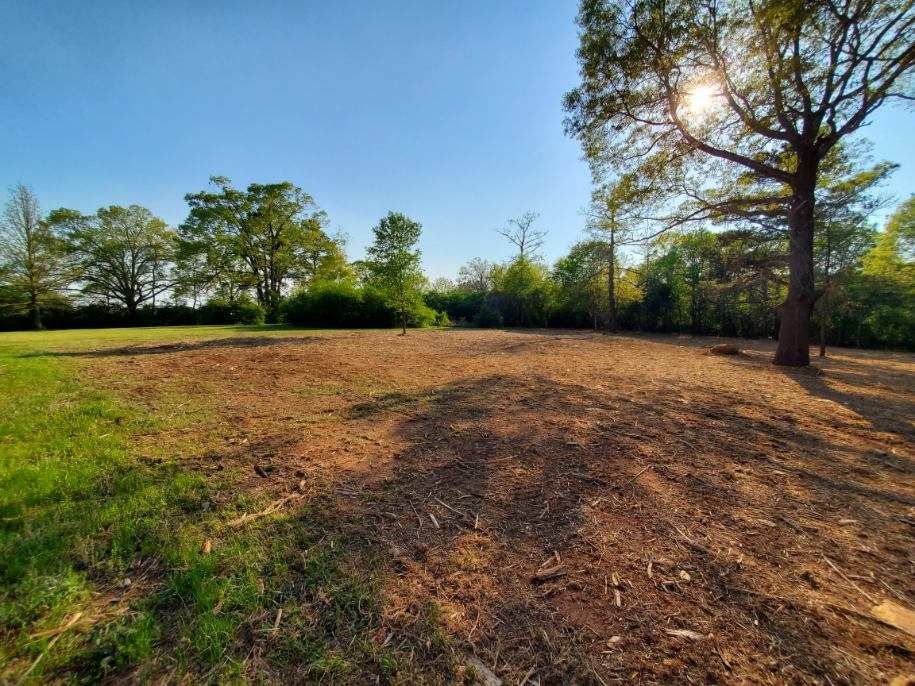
column 403, row 322
column 823, row 334
column 794, row 325
column 35, row 312
column 611, row 286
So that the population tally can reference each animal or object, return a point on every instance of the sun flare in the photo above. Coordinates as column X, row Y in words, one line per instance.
column 700, row 99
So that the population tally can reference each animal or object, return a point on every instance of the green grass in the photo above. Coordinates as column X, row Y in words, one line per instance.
column 81, row 514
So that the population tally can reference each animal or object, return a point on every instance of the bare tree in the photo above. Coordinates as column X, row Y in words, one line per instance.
column 476, row 275
column 521, row 232
column 33, row 262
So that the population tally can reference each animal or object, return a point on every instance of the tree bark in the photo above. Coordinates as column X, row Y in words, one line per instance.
column 794, row 325
column 403, row 322
column 35, row 312
column 611, row 286
column 823, row 335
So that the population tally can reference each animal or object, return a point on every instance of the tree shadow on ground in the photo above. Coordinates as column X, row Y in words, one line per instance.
column 185, row 346
column 507, row 478
column 855, row 391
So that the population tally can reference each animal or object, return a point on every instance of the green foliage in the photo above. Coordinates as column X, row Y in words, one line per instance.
column 242, row 311
column 33, row 259
column 258, row 239
column 581, row 285
column 122, row 254
column 343, row 304
column 394, row 264
column 488, row 316
column 459, row 304
column 523, row 294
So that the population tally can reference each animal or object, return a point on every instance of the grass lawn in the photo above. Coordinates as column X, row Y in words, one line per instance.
column 272, row 505
column 107, row 561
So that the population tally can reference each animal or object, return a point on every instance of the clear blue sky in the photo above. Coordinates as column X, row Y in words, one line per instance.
column 448, row 111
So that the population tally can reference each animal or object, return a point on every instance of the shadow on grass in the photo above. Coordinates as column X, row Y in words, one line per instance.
column 166, row 348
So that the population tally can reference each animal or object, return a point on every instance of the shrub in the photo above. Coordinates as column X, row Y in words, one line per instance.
column 217, row 311
column 340, row 304
column 488, row 317
column 324, row 304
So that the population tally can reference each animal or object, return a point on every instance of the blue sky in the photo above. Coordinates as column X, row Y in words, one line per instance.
column 448, row 111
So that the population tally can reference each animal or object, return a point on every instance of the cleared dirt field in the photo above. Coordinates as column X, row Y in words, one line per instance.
column 576, row 507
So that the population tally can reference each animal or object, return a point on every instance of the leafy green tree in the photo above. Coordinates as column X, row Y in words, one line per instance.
column 524, row 293
column 696, row 94
column 884, row 292
column 893, row 255
column 581, row 291
column 122, row 254
column 34, row 267
column 394, row 263
column 614, row 219
column 260, row 238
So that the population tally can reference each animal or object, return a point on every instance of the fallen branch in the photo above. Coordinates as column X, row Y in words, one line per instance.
column 269, row 510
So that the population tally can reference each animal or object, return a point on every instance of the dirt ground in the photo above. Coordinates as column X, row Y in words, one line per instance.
column 584, row 508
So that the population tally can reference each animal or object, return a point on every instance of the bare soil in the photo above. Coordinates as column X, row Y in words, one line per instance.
column 584, row 508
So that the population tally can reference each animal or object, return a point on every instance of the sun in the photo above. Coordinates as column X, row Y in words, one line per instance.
column 700, row 98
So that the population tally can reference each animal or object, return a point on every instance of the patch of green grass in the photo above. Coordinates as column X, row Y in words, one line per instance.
column 81, row 513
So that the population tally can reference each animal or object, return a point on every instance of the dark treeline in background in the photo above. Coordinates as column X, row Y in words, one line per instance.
column 263, row 254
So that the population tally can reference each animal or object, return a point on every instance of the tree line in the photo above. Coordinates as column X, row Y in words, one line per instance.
column 263, row 253
column 236, row 258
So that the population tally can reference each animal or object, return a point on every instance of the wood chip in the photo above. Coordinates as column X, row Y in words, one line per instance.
column 684, row 633
column 553, row 572
column 892, row 613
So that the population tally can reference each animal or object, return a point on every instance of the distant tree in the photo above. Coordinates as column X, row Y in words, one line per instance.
column 695, row 95
column 442, row 285
column 523, row 293
column 614, row 219
column 845, row 203
column 34, row 267
column 476, row 275
column 521, row 233
column 193, row 279
column 697, row 251
column 579, row 281
column 394, row 263
column 262, row 237
column 123, row 254
column 882, row 295
column 893, row 254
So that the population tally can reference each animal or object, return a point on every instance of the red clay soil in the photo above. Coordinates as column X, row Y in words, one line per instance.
column 585, row 508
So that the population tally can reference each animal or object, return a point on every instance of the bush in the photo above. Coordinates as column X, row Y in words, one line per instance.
column 324, row 304
column 422, row 315
column 488, row 317
column 340, row 304
column 460, row 306
column 243, row 311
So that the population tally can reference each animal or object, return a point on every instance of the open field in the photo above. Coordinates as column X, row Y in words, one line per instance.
column 297, row 506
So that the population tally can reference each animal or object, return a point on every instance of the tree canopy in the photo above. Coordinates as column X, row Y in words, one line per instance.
column 729, row 107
